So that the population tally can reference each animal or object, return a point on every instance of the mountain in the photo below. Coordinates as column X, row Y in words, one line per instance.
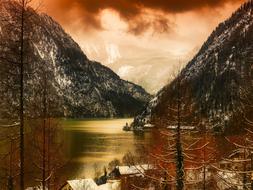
column 83, row 88
column 219, row 77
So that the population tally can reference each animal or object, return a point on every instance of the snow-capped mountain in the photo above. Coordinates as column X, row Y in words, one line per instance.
column 84, row 88
column 220, row 75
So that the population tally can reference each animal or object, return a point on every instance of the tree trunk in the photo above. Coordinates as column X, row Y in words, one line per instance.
column 45, row 117
column 21, row 114
column 179, row 156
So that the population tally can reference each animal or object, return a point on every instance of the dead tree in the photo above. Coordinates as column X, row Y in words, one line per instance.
column 237, row 165
column 176, row 143
column 21, row 114
column 9, row 155
column 179, row 150
column 239, row 162
column 46, row 133
column 15, row 49
column 47, row 148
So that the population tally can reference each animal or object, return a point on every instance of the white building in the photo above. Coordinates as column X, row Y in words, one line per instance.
column 89, row 184
column 133, row 170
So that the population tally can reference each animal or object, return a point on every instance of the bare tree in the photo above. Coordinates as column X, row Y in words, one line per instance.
column 9, row 156
column 16, row 30
column 175, row 147
column 46, row 133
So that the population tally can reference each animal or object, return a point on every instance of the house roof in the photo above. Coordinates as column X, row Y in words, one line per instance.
column 83, row 184
column 138, row 169
column 89, row 184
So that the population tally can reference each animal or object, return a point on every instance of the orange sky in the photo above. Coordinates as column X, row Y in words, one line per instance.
column 141, row 40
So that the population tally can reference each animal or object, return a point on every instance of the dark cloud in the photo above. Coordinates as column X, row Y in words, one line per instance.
column 132, row 11
column 159, row 24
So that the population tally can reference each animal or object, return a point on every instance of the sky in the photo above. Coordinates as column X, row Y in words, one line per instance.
column 143, row 41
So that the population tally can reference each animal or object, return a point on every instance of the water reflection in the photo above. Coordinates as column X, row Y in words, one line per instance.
column 98, row 142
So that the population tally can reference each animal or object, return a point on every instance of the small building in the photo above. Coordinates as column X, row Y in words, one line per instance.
column 113, row 181
column 137, row 170
column 89, row 184
column 134, row 170
column 183, row 127
column 148, row 126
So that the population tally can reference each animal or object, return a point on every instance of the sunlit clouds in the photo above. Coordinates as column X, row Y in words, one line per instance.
column 142, row 41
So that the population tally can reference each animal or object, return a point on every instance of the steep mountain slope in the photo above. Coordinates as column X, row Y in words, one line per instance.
column 219, row 77
column 83, row 88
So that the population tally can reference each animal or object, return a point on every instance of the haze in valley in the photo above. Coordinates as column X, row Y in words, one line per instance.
column 142, row 41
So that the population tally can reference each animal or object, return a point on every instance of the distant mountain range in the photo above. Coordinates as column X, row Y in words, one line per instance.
column 220, row 76
column 84, row 88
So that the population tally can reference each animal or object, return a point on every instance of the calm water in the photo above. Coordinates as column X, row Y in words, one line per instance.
column 94, row 143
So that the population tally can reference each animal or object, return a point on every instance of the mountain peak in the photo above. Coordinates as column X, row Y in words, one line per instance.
column 218, row 76
column 239, row 24
column 83, row 88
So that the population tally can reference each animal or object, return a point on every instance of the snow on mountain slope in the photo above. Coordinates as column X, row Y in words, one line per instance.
column 220, row 74
column 84, row 88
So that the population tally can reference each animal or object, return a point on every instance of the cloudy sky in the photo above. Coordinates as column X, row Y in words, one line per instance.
column 143, row 41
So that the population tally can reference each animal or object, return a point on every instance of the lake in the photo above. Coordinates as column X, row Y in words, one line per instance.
column 93, row 143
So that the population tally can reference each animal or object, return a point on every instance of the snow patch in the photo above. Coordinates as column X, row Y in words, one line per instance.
column 125, row 70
